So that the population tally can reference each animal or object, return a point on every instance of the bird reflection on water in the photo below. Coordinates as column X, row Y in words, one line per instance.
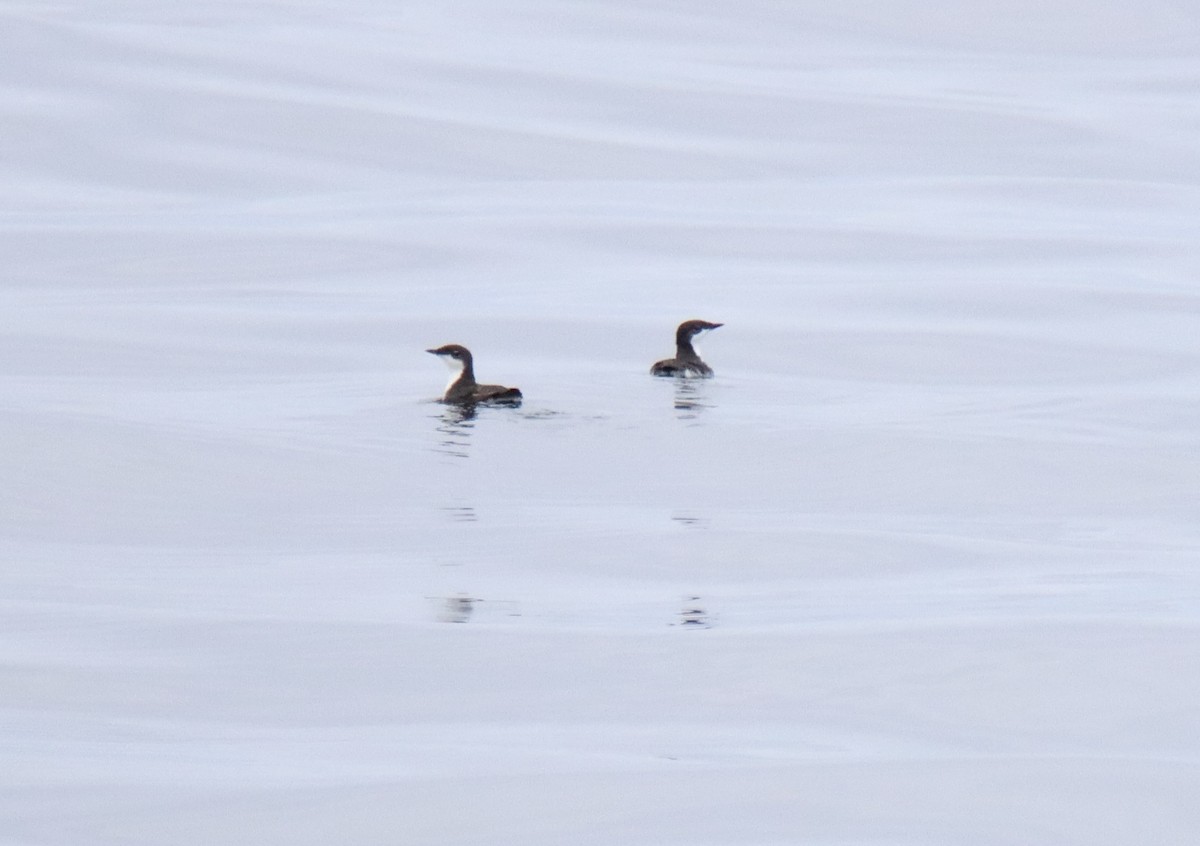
column 691, row 398
column 460, row 513
column 455, row 424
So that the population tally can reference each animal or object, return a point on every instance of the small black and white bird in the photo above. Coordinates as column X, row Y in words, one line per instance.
column 463, row 389
column 687, row 361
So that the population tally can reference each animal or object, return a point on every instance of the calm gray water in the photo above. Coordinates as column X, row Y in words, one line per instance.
column 919, row 562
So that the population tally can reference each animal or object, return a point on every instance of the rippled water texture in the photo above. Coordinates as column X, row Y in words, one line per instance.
column 917, row 566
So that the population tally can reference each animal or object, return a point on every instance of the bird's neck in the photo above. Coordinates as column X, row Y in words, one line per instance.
column 684, row 351
column 462, row 375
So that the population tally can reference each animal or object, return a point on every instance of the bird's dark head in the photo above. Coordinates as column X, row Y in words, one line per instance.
column 455, row 356
column 689, row 329
column 454, row 352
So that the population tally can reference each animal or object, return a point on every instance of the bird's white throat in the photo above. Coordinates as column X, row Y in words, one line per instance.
column 455, row 367
column 696, row 338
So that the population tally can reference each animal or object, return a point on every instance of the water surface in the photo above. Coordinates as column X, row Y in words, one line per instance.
column 918, row 562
